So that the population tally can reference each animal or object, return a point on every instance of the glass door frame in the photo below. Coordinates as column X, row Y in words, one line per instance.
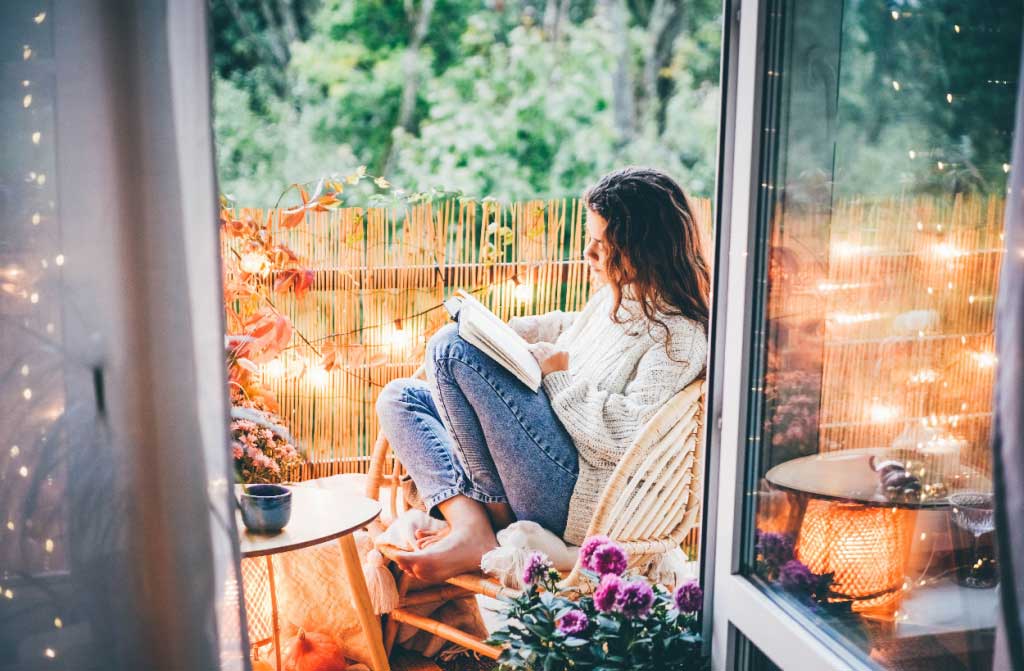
column 736, row 609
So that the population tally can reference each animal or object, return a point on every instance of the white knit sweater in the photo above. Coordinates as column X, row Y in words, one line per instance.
column 619, row 376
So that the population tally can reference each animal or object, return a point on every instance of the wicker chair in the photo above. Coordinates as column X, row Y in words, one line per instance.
column 649, row 505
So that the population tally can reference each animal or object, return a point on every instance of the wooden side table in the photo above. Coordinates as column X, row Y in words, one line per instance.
column 319, row 516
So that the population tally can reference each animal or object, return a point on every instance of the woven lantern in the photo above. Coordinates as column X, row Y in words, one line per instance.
column 865, row 547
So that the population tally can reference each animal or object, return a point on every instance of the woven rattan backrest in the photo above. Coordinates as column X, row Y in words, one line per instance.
column 654, row 492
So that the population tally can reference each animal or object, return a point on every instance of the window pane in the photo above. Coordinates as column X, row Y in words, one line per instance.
column 883, row 177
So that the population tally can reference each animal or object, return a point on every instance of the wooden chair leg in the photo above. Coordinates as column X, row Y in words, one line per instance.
column 391, row 624
column 368, row 620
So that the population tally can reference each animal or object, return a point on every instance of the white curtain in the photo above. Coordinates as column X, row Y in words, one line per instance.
column 119, row 542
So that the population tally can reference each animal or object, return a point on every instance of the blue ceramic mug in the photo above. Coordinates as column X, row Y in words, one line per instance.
column 265, row 508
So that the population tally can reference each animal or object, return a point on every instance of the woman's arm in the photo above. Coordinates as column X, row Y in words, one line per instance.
column 542, row 328
column 603, row 424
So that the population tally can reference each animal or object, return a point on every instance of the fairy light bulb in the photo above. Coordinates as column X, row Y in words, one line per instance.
column 26, row 394
column 48, row 545
column 39, row 18
column 15, row 451
column 956, row 28
column 318, row 376
column 949, row 98
column 275, row 368
column 1006, row 167
column 912, row 154
column 36, row 137
column 36, row 218
column 895, row 15
column 895, row 85
column 255, row 263
column 25, row 370
column 26, row 102
column 58, row 623
column 882, row 413
column 23, row 471
column 59, row 260
column 50, row 653
column 26, row 52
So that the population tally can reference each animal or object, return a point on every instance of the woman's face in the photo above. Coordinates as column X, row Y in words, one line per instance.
column 596, row 251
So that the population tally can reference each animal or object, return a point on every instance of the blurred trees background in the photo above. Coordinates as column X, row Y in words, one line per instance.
column 508, row 98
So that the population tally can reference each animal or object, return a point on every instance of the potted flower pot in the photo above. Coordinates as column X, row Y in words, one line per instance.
column 266, row 509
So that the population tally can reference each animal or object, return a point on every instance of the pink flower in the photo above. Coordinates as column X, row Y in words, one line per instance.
column 236, row 451
column 607, row 592
column 587, row 550
column 635, row 599
column 689, row 597
column 608, row 558
column 537, row 566
column 574, row 622
column 254, row 453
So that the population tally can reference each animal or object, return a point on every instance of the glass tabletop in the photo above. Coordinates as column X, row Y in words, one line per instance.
column 847, row 475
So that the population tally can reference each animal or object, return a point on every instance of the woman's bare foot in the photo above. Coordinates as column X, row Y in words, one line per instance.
column 457, row 551
column 426, row 537
column 469, row 536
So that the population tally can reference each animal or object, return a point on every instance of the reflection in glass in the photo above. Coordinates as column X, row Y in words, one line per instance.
column 885, row 145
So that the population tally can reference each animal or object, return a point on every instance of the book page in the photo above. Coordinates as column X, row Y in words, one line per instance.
column 484, row 329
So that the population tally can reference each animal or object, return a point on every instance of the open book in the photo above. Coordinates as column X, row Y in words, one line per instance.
column 482, row 328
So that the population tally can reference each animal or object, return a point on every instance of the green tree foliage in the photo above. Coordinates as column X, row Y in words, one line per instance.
column 511, row 98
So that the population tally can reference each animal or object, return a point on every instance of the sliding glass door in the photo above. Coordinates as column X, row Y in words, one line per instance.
column 869, row 154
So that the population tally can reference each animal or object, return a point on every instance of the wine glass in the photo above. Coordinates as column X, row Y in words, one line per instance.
column 974, row 513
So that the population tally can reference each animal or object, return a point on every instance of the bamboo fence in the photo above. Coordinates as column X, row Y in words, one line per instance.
column 896, row 299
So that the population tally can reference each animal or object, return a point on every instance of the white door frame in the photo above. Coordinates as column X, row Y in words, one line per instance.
column 786, row 636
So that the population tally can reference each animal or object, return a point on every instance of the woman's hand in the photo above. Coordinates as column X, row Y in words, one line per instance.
column 550, row 358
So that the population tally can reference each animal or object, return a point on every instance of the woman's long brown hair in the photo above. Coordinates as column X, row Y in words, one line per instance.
column 655, row 246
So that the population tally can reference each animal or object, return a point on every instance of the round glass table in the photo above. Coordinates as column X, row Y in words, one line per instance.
column 843, row 523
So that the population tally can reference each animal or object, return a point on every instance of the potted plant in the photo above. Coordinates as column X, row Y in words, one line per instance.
column 627, row 623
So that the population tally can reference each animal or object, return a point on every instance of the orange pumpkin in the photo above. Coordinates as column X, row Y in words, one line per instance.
column 313, row 651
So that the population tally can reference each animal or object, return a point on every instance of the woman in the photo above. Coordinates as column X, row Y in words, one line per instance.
column 484, row 450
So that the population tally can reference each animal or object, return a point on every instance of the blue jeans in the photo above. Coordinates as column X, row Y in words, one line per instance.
column 474, row 429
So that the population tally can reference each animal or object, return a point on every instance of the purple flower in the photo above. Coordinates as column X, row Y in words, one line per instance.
column 608, row 558
column 607, row 592
column 689, row 597
column 537, row 566
column 635, row 599
column 775, row 549
column 573, row 622
column 795, row 576
column 588, row 547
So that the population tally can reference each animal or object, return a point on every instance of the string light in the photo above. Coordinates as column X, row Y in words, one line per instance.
column 949, row 98
column 26, row 52
column 956, row 27
column 26, row 393
column 40, row 17
column 36, row 137
column 895, row 85
column 9, row 593
column 25, row 370
column 23, row 471
column 984, row 359
column 1006, row 167
column 59, row 260
column 912, row 154
column 895, row 15
column 48, row 545
column 844, row 318
column 50, row 652
column 941, row 165
column 15, row 451
column 882, row 413
column 10, row 525
column 318, row 375
column 36, row 218
column 26, row 102
column 34, row 298
column 255, row 263
column 58, row 623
